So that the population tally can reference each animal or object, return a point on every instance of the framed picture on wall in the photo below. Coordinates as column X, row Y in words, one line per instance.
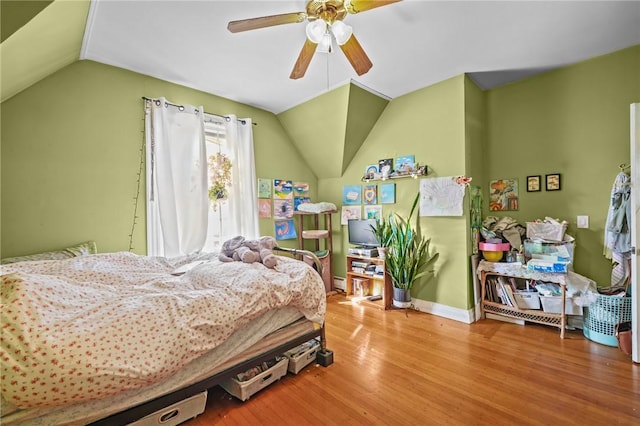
column 533, row 183
column 552, row 182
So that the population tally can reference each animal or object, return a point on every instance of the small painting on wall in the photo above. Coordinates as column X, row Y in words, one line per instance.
column 264, row 188
column 300, row 189
column 371, row 172
column 350, row 212
column 385, row 167
column 370, row 194
column 387, row 193
column 373, row 212
column 285, row 229
column 552, row 182
column 282, row 189
column 533, row 183
column 282, row 208
column 264, row 208
column 352, row 194
column 300, row 200
column 503, row 195
column 405, row 164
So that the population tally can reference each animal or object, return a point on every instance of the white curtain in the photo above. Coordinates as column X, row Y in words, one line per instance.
column 243, row 200
column 177, row 191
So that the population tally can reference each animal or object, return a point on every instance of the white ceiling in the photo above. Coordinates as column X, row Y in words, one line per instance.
column 412, row 44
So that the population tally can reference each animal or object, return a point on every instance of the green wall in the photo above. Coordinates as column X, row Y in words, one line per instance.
column 71, row 153
column 428, row 123
column 573, row 121
column 71, row 148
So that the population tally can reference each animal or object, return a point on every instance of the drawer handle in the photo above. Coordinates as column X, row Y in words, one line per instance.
column 267, row 377
column 170, row 415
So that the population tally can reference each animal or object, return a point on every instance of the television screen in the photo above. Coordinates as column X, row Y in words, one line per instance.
column 360, row 233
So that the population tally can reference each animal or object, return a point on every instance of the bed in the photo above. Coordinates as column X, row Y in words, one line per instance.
column 110, row 338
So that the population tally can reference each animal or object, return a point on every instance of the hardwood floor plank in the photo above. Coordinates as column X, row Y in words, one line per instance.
column 407, row 367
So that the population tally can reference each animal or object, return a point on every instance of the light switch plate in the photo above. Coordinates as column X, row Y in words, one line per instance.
column 583, row 221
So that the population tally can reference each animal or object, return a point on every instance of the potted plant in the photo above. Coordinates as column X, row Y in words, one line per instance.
column 382, row 232
column 408, row 257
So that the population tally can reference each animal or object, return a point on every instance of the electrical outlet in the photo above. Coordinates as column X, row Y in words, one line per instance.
column 583, row 222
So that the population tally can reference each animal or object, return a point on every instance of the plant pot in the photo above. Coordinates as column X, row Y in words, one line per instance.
column 401, row 298
column 382, row 252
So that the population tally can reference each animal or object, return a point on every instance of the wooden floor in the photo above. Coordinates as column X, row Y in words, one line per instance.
column 410, row 368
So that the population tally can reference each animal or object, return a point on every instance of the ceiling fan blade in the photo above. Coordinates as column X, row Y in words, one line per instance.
column 304, row 58
column 266, row 21
column 356, row 56
column 356, row 6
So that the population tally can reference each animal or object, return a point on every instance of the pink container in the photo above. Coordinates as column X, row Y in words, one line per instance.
column 494, row 247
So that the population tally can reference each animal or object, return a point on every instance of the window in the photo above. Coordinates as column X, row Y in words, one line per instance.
column 220, row 214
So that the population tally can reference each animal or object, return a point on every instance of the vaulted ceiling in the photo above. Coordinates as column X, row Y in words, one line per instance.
column 411, row 43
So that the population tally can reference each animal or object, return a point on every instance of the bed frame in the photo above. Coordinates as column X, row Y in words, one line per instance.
column 324, row 358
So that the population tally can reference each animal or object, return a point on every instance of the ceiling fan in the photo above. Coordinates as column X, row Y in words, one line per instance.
column 324, row 24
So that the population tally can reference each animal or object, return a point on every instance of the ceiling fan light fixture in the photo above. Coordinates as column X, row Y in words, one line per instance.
column 316, row 30
column 325, row 44
column 341, row 31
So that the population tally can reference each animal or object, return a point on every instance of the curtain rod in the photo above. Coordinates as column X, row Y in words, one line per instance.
column 227, row 118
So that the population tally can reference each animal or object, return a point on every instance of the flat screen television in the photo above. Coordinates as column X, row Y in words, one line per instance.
column 360, row 233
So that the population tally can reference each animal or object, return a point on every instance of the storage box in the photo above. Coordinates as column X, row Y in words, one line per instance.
column 303, row 355
column 553, row 305
column 548, row 230
column 561, row 251
column 175, row 414
column 244, row 390
column 527, row 299
column 538, row 265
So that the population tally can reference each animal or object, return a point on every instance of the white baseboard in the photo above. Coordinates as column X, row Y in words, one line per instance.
column 463, row 315
column 340, row 283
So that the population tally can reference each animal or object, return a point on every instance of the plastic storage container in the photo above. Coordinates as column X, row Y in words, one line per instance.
column 244, row 390
column 527, row 299
column 303, row 355
column 553, row 305
column 549, row 251
column 602, row 316
column 553, row 231
column 175, row 414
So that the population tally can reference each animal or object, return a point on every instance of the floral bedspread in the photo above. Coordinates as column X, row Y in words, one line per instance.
column 92, row 326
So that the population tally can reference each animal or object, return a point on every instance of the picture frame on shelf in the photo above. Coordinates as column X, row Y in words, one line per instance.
column 533, row 183
column 552, row 182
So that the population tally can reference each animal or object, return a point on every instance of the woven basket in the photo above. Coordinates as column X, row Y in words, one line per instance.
column 602, row 317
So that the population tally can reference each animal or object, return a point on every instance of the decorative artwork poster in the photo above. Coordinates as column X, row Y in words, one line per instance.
column 299, row 200
column 385, row 166
column 282, row 189
column 441, row 197
column 387, row 193
column 373, row 212
column 350, row 212
column 285, row 229
column 264, row 188
column 300, row 189
column 405, row 164
column 370, row 194
column 264, row 208
column 503, row 195
column 282, row 208
column 371, row 171
column 352, row 194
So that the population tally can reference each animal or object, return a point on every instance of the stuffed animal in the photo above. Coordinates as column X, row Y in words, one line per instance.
column 247, row 252
column 229, row 247
column 266, row 245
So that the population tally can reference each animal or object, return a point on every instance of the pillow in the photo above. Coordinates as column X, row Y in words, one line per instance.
column 83, row 249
